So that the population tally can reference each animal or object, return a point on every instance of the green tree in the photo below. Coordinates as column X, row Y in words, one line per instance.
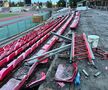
column 72, row 3
column 61, row 3
column 21, row 3
column 12, row 4
column 40, row 4
column 49, row 4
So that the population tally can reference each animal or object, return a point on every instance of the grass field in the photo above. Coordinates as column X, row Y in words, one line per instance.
column 7, row 15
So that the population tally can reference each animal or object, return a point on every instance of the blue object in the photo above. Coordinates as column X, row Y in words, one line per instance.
column 77, row 79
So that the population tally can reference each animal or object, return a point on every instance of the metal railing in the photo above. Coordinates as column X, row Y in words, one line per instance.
column 13, row 28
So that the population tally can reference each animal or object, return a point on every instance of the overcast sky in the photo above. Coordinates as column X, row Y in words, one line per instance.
column 35, row 0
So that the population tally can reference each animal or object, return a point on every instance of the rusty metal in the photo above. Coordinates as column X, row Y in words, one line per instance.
column 81, row 49
column 101, row 53
column 61, row 36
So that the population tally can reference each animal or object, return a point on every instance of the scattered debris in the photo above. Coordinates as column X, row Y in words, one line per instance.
column 101, row 53
column 66, row 73
column 85, row 73
column 61, row 84
column 106, row 68
column 37, row 81
column 64, row 56
column 97, row 74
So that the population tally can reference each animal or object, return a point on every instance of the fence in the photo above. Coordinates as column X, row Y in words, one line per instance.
column 13, row 28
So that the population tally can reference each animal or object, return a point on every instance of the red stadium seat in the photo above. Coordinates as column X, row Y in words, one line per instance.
column 44, row 38
column 38, row 42
column 17, row 52
column 2, row 53
column 25, row 46
column 28, row 51
column 45, row 47
column 38, row 36
column 11, row 56
column 34, row 47
column 17, row 61
column 17, row 46
column 30, row 43
column 7, row 49
column 10, row 66
column 3, row 61
column 34, row 40
column 5, row 71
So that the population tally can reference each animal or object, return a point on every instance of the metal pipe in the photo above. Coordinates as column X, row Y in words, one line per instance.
column 61, row 36
column 52, row 52
column 73, row 41
column 71, row 50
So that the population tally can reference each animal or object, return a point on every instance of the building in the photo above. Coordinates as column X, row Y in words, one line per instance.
column 27, row 2
column 99, row 3
column 83, row 2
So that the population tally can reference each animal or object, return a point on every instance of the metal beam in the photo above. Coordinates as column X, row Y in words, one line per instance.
column 51, row 53
column 61, row 36
column 71, row 49
column 91, row 52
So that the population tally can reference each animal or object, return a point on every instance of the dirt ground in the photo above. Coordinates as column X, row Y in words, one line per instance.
column 91, row 22
column 95, row 22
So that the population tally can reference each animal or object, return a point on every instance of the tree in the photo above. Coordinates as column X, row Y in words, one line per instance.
column 49, row 4
column 40, row 4
column 73, row 3
column 61, row 3
column 12, row 4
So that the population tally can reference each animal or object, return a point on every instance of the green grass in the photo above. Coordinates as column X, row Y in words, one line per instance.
column 7, row 15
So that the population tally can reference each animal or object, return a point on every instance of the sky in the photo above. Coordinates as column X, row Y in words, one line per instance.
column 35, row 0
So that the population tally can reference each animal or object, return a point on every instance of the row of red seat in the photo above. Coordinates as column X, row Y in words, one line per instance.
column 9, row 48
column 26, row 43
column 14, row 63
column 44, row 49
column 51, row 43
column 75, row 21
column 77, row 13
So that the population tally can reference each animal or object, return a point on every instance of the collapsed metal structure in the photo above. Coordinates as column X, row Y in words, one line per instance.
column 78, row 48
column 81, row 49
column 13, row 54
column 100, row 53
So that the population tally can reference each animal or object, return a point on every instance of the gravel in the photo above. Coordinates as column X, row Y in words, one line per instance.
column 91, row 22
